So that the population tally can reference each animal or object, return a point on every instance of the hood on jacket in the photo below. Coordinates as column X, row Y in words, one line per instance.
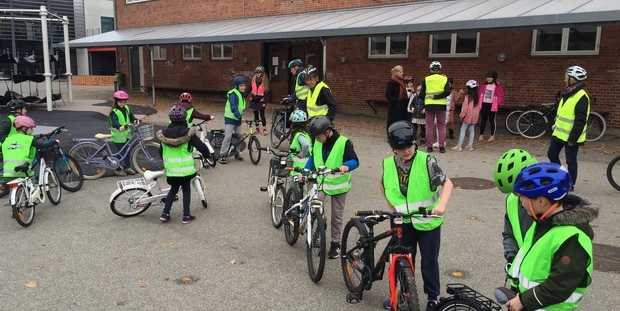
column 577, row 212
column 175, row 136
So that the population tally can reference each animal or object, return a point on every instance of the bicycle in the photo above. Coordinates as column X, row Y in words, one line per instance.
column 462, row 297
column 276, row 184
column 237, row 144
column 511, row 119
column 613, row 170
column 202, row 134
column 95, row 156
column 134, row 196
column 307, row 215
column 358, row 251
column 279, row 122
column 27, row 192
column 65, row 166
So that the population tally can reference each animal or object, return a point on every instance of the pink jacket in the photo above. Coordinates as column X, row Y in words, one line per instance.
column 469, row 112
column 499, row 92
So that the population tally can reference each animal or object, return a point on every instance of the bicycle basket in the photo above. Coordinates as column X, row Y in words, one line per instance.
column 146, row 131
column 278, row 165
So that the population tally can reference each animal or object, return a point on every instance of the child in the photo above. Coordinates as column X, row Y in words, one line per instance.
column 470, row 111
column 21, row 148
column 120, row 116
column 490, row 92
column 233, row 116
column 19, row 108
column 412, row 177
column 453, row 100
column 186, row 102
column 416, row 107
column 300, row 143
column 333, row 151
column 177, row 148
column 259, row 97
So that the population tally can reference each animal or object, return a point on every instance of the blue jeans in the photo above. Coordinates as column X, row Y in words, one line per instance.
column 470, row 130
column 553, row 153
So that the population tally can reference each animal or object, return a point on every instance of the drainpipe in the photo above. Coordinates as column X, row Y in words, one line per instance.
column 324, row 44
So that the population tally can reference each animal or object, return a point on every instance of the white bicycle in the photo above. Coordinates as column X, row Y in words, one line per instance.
column 201, row 131
column 134, row 196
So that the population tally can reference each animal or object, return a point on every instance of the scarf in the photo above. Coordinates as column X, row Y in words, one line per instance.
column 402, row 92
column 570, row 89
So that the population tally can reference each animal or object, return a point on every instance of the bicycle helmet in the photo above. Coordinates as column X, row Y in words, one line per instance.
column 177, row 113
column 401, row 135
column 294, row 62
column 23, row 121
column 238, row 80
column 260, row 69
column 491, row 74
column 298, row 116
column 435, row 65
column 471, row 84
column 549, row 180
column 121, row 95
column 186, row 97
column 577, row 73
column 16, row 104
column 318, row 125
column 508, row 166
column 408, row 79
column 311, row 72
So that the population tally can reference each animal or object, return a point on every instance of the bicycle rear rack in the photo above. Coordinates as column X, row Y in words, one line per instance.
column 465, row 292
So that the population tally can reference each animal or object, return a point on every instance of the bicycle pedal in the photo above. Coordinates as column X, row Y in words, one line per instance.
column 263, row 189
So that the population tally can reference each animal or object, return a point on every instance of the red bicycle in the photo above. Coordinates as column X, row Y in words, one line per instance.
column 358, row 249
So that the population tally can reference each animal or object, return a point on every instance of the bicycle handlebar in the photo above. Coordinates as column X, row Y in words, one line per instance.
column 383, row 215
column 320, row 171
column 49, row 135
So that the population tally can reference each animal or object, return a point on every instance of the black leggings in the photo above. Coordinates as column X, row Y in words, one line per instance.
column 262, row 116
column 415, row 131
column 486, row 113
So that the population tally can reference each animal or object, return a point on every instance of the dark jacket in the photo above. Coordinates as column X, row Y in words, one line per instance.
column 581, row 116
column 397, row 108
column 326, row 98
column 176, row 135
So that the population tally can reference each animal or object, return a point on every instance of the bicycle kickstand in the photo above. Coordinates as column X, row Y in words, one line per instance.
column 354, row 298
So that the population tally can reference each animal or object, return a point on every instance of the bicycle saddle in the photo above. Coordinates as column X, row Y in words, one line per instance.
column 152, row 175
column 103, row 136
column 22, row 168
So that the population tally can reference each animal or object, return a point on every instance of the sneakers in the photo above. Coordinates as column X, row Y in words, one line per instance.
column 430, row 305
column 429, row 149
column 265, row 133
column 257, row 131
column 491, row 138
column 470, row 148
column 164, row 217
column 423, row 141
column 334, row 251
column 238, row 157
column 120, row 173
column 188, row 219
column 386, row 305
column 481, row 138
column 222, row 160
column 442, row 150
column 457, row 148
column 130, row 171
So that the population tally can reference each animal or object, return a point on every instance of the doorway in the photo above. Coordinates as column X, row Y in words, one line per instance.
column 277, row 57
column 134, row 68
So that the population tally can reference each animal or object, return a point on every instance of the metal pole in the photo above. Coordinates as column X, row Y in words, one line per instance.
column 324, row 43
column 152, row 74
column 46, row 58
column 65, row 30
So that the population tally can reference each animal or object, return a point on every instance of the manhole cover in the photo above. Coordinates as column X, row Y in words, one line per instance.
column 471, row 183
column 606, row 257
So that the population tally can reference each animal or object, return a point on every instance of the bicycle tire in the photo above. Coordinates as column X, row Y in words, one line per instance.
column 124, row 203
column 147, row 159
column 613, row 180
column 596, row 126
column 532, row 124
column 458, row 304
column 354, row 258
column 199, row 187
column 277, row 128
column 69, row 172
column 254, row 150
column 84, row 153
column 316, row 251
column 23, row 211
column 291, row 224
column 406, row 293
column 511, row 121
column 53, row 188
column 277, row 205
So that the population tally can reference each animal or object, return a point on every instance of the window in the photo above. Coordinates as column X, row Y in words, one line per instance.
column 192, row 52
column 388, row 47
column 578, row 40
column 221, row 51
column 107, row 24
column 159, row 52
column 461, row 44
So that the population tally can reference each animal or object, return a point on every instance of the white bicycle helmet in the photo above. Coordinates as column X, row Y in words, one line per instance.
column 577, row 73
column 471, row 84
column 435, row 65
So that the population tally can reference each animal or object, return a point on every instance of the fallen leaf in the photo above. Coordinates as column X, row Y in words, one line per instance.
column 166, row 278
column 121, row 303
column 117, row 257
column 37, row 268
column 615, row 282
column 185, row 279
column 172, row 243
column 143, row 285
column 31, row 284
column 233, row 262
column 457, row 274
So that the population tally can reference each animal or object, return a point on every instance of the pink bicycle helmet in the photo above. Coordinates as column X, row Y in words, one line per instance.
column 186, row 97
column 23, row 121
column 121, row 95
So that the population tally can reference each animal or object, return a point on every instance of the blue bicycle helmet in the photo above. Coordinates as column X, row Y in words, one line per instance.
column 294, row 62
column 549, row 180
column 239, row 80
column 298, row 116
column 177, row 113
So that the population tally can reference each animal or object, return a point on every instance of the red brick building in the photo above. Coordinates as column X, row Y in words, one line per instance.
column 201, row 45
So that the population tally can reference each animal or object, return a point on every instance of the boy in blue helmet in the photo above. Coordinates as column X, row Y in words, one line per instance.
column 233, row 116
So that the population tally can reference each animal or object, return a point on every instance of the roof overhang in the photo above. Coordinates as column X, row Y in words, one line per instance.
column 416, row 17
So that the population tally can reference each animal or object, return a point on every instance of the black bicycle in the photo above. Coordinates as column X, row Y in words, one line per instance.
column 462, row 297
column 280, row 126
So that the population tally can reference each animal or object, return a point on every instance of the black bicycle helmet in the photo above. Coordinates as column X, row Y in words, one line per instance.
column 401, row 135
column 318, row 125
column 16, row 104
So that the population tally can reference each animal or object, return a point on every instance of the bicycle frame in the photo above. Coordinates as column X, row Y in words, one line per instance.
column 35, row 193
column 202, row 130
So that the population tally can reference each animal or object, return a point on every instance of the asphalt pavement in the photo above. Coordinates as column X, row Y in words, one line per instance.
column 80, row 256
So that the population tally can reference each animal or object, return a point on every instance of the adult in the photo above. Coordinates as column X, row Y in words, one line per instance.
column 186, row 101
column 434, row 90
column 259, row 96
column 301, row 89
column 492, row 96
column 396, row 95
column 570, row 123
column 320, row 101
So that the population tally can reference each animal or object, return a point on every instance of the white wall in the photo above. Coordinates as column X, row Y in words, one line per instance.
column 93, row 11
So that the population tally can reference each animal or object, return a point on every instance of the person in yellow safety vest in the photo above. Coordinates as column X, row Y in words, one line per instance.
column 516, row 219
column 332, row 151
column 177, row 150
column 320, row 100
column 571, row 120
column 119, row 118
column 17, row 107
column 435, row 89
column 301, row 89
column 300, row 141
column 233, row 117
column 555, row 264
column 411, row 179
column 186, row 101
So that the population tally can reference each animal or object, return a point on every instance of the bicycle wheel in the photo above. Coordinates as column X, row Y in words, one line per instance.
column 315, row 252
column 511, row 121
column 53, row 188
column 147, row 159
column 199, row 187
column 277, row 128
column 84, row 154
column 125, row 204
column 277, row 205
column 291, row 222
column 354, row 258
column 613, row 173
column 22, row 210
column 216, row 142
column 406, row 293
column 457, row 304
column 596, row 126
column 532, row 124
column 69, row 172
column 254, row 150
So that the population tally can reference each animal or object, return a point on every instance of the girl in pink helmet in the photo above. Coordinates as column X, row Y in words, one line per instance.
column 119, row 119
